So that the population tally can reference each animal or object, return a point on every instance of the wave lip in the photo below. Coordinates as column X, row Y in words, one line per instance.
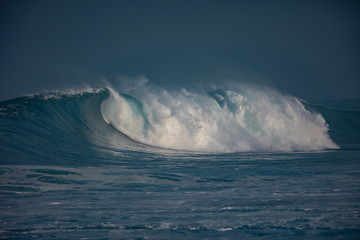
column 220, row 121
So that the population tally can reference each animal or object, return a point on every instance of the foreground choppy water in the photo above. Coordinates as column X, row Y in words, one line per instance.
column 186, row 196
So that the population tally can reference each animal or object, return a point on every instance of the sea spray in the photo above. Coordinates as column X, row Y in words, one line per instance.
column 250, row 119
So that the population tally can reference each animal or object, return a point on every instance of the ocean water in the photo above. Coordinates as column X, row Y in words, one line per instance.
column 159, row 164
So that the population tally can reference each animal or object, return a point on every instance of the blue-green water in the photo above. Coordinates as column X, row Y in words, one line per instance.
column 68, row 171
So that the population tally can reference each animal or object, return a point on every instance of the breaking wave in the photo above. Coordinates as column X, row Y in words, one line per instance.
column 153, row 119
column 218, row 121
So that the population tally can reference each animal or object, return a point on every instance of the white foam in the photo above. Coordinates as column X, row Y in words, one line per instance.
column 252, row 119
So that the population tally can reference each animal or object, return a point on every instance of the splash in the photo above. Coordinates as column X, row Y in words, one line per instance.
column 250, row 119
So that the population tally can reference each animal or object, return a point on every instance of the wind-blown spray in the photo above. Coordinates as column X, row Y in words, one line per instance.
column 219, row 121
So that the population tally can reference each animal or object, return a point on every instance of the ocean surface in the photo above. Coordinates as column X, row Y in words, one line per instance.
column 152, row 163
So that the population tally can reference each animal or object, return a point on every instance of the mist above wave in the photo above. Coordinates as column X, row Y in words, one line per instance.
column 222, row 120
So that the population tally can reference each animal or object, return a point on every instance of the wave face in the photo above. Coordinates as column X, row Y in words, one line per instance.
column 152, row 119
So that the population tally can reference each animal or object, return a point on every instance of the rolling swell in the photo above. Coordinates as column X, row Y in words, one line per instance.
column 102, row 121
column 344, row 125
column 57, row 127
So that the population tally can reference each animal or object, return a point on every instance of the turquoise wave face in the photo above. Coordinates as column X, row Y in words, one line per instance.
column 51, row 128
column 101, row 121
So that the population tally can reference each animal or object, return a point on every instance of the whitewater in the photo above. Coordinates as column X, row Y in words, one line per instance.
column 219, row 121
column 149, row 162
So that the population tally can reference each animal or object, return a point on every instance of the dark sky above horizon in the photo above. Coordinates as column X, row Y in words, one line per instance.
column 310, row 49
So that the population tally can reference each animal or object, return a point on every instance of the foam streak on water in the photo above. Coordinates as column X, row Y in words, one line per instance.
column 271, row 196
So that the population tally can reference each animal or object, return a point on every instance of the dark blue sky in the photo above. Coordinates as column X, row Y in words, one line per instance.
column 310, row 49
